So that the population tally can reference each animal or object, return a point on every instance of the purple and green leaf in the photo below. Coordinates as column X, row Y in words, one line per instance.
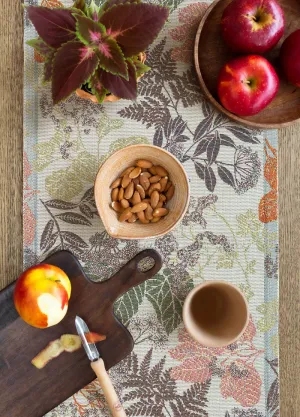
column 97, row 88
column 74, row 64
column 118, row 85
column 48, row 67
column 134, row 26
column 107, row 5
column 41, row 47
column 93, row 11
column 80, row 5
column 110, row 55
column 54, row 26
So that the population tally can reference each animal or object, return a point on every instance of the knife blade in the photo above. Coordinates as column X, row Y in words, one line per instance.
column 90, row 348
column 98, row 367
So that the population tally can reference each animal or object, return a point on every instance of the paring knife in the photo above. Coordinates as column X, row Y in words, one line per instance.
column 98, row 367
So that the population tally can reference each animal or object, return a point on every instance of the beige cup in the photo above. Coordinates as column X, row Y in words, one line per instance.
column 215, row 313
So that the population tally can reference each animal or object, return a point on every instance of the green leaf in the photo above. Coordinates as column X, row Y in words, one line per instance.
column 41, row 47
column 63, row 185
column 93, row 11
column 134, row 26
column 106, row 125
column 117, row 85
column 74, row 63
column 167, row 306
column 127, row 306
column 45, row 152
column 80, row 5
column 269, row 311
column 55, row 26
column 140, row 68
column 97, row 88
column 110, row 3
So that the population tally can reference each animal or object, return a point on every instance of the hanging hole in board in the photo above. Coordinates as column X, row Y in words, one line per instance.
column 146, row 264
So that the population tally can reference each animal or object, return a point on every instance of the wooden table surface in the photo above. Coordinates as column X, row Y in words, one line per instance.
column 11, row 146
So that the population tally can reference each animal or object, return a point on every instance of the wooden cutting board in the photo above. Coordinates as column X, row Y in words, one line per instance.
column 28, row 392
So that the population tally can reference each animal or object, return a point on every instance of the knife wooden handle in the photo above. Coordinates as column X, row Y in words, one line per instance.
column 108, row 389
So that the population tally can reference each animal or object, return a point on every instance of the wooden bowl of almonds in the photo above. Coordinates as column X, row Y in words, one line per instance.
column 141, row 191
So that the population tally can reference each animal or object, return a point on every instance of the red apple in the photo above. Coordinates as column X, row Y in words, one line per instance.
column 41, row 295
column 252, row 26
column 247, row 84
column 290, row 57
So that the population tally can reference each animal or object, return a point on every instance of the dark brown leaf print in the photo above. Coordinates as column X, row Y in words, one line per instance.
column 273, row 396
column 209, row 178
column 213, row 148
column 201, row 147
column 47, row 234
column 60, row 204
column 152, row 392
column 244, row 134
column 206, row 108
column 73, row 240
column 158, row 137
column 200, row 168
column 88, row 195
column 74, row 218
column 86, row 210
column 227, row 141
column 203, row 127
column 226, row 175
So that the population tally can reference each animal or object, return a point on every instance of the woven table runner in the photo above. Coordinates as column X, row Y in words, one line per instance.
column 228, row 233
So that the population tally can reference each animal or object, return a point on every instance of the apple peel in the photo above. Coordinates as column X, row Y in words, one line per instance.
column 67, row 343
column 92, row 337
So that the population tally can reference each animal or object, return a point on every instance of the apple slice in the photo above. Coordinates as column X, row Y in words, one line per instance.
column 92, row 337
column 51, row 351
column 70, row 342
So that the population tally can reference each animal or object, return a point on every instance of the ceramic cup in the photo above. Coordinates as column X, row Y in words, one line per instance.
column 215, row 313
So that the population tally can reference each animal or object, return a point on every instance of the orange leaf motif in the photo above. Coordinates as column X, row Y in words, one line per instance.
column 268, row 204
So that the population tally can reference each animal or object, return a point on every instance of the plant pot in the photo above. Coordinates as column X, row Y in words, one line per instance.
column 110, row 97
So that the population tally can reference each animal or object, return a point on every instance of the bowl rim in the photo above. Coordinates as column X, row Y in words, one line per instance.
column 149, row 235
column 210, row 97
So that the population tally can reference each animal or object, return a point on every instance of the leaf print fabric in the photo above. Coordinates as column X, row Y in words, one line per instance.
column 228, row 233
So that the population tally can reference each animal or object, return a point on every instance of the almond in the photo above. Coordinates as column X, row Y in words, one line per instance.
column 161, row 171
column 159, row 212
column 144, row 163
column 167, row 186
column 141, row 191
column 163, row 182
column 114, row 194
column 170, row 192
column 135, row 172
column 142, row 218
column 125, row 181
column 133, row 218
column 129, row 191
column 124, row 203
column 155, row 219
column 154, row 187
column 127, row 171
column 121, row 194
column 125, row 215
column 162, row 198
column 144, row 181
column 116, row 183
column 154, row 179
column 154, row 199
column 117, row 206
column 136, row 198
column 149, row 212
column 152, row 170
column 146, row 174
column 139, row 207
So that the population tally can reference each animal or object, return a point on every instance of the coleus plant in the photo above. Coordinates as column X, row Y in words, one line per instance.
column 98, row 47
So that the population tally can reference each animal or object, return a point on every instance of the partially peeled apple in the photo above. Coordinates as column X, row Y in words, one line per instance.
column 42, row 295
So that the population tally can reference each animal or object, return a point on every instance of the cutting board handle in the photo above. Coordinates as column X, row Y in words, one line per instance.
column 129, row 275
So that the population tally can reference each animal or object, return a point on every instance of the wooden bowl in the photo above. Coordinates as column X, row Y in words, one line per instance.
column 110, row 171
column 211, row 53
